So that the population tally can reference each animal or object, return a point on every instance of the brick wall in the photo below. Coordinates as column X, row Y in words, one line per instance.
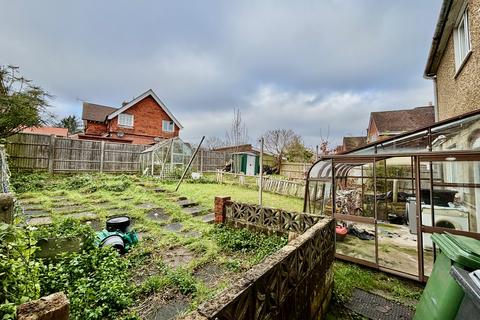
column 147, row 118
column 95, row 128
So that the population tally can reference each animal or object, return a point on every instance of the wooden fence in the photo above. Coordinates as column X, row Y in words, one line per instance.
column 41, row 152
column 294, row 170
column 209, row 160
column 284, row 187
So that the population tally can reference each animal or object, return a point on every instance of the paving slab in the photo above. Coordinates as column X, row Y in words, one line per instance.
column 69, row 208
column 35, row 212
column 377, row 307
column 175, row 227
column 39, row 221
column 187, row 203
column 194, row 211
column 170, row 310
column 82, row 215
column 177, row 257
column 146, row 205
column 210, row 274
column 158, row 215
column 208, row 218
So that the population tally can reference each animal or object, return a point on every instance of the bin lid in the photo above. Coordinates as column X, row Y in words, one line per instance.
column 462, row 250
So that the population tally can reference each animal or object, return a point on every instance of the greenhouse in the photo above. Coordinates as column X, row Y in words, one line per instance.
column 373, row 193
column 166, row 159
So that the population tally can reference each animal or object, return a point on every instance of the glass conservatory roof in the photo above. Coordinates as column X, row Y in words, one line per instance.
column 458, row 134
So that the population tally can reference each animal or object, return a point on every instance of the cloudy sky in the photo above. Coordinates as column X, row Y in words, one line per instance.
column 317, row 67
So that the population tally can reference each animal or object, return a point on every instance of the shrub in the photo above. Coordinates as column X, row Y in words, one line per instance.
column 18, row 269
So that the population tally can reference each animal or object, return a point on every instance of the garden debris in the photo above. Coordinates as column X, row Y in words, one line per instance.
column 377, row 307
column 54, row 306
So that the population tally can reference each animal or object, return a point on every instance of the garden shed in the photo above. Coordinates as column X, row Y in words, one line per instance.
column 247, row 163
column 392, row 195
column 166, row 159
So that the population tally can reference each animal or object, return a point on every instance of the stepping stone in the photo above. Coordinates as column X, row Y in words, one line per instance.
column 210, row 274
column 177, row 257
column 158, row 215
column 82, row 215
column 39, row 221
column 95, row 224
column 31, row 206
column 68, row 209
column 374, row 306
column 159, row 190
column 126, row 198
column 194, row 211
column 191, row 234
column 35, row 213
column 170, row 310
column 175, row 227
column 187, row 203
column 208, row 218
column 146, row 206
column 181, row 198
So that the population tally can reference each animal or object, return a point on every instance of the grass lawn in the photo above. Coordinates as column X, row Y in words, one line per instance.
column 179, row 262
column 206, row 192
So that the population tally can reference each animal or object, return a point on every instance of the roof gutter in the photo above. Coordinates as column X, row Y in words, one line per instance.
column 437, row 36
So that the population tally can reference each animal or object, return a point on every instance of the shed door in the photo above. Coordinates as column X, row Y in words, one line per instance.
column 250, row 165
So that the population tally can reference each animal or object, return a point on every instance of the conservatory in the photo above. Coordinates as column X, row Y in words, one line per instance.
column 391, row 195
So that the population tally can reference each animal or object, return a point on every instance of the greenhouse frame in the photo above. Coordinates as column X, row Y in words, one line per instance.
column 166, row 159
column 373, row 190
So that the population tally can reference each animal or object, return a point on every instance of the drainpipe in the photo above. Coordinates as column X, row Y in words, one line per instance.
column 435, row 98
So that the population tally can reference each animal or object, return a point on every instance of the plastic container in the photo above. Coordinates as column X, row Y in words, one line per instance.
column 442, row 295
column 470, row 284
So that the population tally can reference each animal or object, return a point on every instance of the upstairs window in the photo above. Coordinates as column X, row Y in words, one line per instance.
column 461, row 39
column 125, row 120
column 168, row 126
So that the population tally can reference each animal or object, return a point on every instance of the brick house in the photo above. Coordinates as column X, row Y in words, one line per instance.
column 385, row 124
column 454, row 59
column 351, row 143
column 144, row 120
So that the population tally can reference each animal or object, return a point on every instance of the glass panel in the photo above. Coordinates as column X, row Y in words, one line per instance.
column 428, row 256
column 319, row 199
column 462, row 135
column 417, row 142
column 321, row 170
column 397, row 247
column 359, row 242
column 455, row 196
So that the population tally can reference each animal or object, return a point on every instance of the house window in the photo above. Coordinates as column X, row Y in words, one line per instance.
column 168, row 126
column 125, row 120
column 461, row 39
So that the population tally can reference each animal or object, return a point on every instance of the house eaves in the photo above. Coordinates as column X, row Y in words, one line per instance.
column 140, row 98
column 445, row 24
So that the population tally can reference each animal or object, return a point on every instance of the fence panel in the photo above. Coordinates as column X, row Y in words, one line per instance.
column 41, row 152
column 295, row 170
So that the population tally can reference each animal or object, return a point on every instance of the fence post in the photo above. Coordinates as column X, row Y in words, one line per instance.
column 102, row 154
column 51, row 153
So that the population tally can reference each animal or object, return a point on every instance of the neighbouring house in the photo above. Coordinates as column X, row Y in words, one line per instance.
column 454, row 59
column 351, row 143
column 144, row 120
column 58, row 132
column 386, row 124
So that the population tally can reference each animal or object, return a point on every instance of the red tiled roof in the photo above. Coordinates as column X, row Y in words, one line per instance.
column 96, row 112
column 59, row 132
column 403, row 120
column 350, row 143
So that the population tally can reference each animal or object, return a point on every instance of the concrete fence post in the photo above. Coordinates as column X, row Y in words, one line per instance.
column 102, row 155
column 6, row 207
column 51, row 153
column 220, row 203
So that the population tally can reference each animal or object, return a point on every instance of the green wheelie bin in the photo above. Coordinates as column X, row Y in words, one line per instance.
column 442, row 295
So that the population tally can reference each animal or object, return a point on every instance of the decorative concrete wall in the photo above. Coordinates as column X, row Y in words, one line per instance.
column 296, row 282
column 263, row 219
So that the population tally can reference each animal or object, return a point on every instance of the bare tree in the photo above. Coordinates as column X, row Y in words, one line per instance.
column 277, row 142
column 213, row 142
column 238, row 133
